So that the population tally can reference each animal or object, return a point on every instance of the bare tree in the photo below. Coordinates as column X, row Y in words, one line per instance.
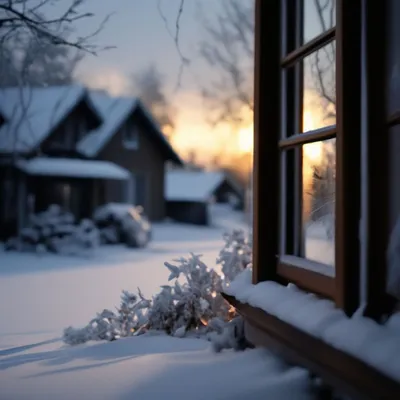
column 319, row 67
column 30, row 16
column 149, row 86
column 228, row 49
column 26, row 61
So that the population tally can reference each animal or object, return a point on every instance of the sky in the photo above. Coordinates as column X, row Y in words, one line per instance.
column 140, row 36
column 138, row 32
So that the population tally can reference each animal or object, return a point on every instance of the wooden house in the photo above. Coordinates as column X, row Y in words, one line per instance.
column 190, row 194
column 79, row 149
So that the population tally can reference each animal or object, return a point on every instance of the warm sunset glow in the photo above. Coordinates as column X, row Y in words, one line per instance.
column 245, row 140
column 308, row 121
column 313, row 151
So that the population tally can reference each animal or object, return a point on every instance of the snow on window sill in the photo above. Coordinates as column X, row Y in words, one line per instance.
column 376, row 345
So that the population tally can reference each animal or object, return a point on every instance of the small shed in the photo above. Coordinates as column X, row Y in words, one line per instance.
column 189, row 194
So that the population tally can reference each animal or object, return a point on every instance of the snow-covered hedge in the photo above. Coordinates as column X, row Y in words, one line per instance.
column 56, row 231
column 191, row 305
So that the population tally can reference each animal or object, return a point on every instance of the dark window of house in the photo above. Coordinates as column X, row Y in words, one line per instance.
column 80, row 129
column 130, row 135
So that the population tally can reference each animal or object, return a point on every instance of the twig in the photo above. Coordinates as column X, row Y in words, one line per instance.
column 184, row 60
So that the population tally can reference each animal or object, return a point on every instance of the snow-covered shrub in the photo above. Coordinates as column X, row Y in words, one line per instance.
column 190, row 305
column 236, row 255
column 231, row 337
column 56, row 231
column 122, row 223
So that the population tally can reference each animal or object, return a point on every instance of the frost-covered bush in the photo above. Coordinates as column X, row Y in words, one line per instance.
column 56, row 231
column 122, row 223
column 191, row 305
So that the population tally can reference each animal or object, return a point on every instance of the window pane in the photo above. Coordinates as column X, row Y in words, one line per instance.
column 393, row 62
column 318, row 201
column 319, row 16
column 319, row 88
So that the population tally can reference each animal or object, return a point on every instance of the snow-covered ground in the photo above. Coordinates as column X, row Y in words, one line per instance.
column 46, row 293
column 42, row 294
column 147, row 368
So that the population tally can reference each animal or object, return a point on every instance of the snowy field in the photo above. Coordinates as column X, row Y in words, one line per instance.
column 40, row 295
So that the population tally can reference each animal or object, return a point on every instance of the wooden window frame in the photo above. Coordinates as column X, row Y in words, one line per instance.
column 378, row 123
column 338, row 369
column 344, row 287
column 335, row 367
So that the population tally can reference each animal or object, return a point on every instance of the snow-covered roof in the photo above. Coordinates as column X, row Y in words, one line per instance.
column 73, row 168
column 186, row 185
column 115, row 111
column 32, row 113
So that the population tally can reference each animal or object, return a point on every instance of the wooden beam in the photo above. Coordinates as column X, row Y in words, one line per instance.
column 266, row 137
column 348, row 144
column 378, row 155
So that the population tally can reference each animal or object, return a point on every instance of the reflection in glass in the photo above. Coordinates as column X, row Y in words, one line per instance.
column 319, row 88
column 318, row 201
column 319, row 16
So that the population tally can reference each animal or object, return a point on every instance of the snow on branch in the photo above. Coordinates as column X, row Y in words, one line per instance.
column 191, row 305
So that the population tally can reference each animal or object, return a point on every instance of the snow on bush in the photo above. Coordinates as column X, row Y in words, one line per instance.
column 190, row 306
column 122, row 223
column 55, row 230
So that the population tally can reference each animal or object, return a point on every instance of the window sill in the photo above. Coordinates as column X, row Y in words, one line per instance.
column 308, row 275
column 339, row 369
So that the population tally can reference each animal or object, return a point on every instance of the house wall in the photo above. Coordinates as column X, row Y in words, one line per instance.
column 189, row 212
column 394, row 176
column 8, row 200
column 74, row 195
column 146, row 163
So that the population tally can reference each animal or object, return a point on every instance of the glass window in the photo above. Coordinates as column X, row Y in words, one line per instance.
column 319, row 88
column 318, row 17
column 309, row 169
column 318, row 201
